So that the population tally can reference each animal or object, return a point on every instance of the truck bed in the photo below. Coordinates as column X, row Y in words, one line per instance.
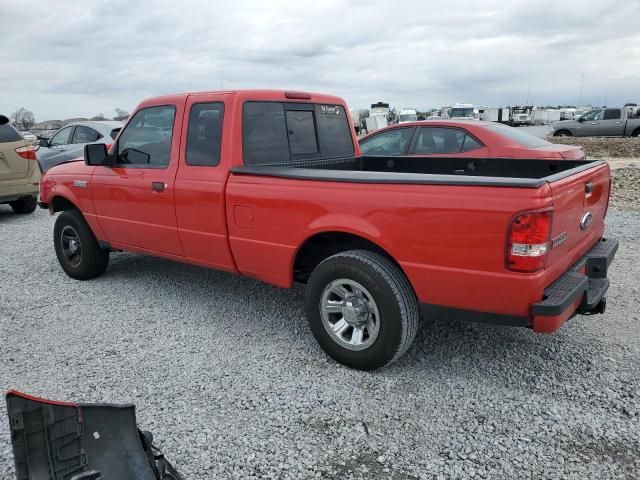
column 508, row 172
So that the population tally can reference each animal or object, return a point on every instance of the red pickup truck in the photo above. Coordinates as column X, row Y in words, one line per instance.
column 271, row 185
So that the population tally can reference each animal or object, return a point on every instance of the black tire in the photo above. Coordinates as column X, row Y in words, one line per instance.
column 636, row 133
column 563, row 133
column 92, row 260
column 395, row 299
column 24, row 205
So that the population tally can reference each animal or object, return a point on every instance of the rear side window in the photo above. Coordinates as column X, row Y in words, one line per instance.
column 612, row 114
column 204, row 134
column 8, row 133
column 275, row 132
column 85, row 135
column 440, row 140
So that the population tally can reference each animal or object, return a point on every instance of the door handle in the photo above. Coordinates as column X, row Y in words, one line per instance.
column 158, row 186
column 588, row 188
column 594, row 123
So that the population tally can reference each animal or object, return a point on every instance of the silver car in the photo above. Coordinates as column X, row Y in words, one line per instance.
column 68, row 142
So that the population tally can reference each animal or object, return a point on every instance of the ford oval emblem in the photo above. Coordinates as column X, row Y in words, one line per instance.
column 586, row 220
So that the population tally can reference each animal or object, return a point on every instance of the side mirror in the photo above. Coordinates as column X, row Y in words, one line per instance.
column 43, row 142
column 95, row 154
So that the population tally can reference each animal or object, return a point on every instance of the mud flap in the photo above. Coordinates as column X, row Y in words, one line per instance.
column 69, row 441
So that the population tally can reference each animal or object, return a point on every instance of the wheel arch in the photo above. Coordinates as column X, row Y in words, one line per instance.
column 321, row 245
column 60, row 203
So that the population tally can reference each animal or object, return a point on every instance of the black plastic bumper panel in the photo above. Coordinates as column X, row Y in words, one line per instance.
column 593, row 284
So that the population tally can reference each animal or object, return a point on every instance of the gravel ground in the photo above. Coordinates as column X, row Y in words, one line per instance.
column 625, row 189
column 226, row 374
column 603, row 147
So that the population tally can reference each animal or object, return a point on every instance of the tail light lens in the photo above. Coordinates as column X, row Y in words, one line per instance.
column 27, row 152
column 529, row 242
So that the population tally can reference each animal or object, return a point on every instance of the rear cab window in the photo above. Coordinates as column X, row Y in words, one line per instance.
column 281, row 132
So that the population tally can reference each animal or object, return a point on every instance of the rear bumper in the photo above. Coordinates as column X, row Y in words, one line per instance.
column 581, row 289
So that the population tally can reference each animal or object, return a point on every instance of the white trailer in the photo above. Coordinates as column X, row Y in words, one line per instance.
column 375, row 122
column 493, row 114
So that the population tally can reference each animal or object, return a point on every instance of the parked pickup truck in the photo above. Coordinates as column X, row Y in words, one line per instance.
column 270, row 184
column 601, row 122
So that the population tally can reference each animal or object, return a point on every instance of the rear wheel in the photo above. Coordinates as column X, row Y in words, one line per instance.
column 24, row 205
column 562, row 133
column 361, row 309
column 77, row 249
column 636, row 133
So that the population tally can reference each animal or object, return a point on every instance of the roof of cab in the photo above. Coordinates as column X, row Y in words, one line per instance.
column 249, row 94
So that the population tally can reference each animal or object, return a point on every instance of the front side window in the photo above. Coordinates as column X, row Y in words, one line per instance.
column 204, row 134
column 85, row 135
column 146, row 141
column 612, row 114
column 61, row 138
column 592, row 115
column 391, row 142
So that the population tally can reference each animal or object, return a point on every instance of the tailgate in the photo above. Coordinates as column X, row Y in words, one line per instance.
column 579, row 206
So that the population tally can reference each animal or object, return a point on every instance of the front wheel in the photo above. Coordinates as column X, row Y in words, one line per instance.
column 562, row 133
column 24, row 205
column 77, row 249
column 361, row 309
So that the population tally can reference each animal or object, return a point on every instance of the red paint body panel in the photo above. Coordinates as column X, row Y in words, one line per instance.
column 449, row 240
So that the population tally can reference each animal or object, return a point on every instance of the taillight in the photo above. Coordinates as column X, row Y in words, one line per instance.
column 27, row 152
column 528, row 243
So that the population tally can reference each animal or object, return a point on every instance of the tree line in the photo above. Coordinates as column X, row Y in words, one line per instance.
column 24, row 119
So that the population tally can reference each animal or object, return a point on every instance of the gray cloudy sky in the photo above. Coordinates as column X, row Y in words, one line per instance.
column 79, row 58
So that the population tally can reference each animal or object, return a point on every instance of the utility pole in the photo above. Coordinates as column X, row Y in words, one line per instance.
column 581, row 85
column 528, row 92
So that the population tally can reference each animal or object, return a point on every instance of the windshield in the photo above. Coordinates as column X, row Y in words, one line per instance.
column 518, row 136
column 408, row 118
column 461, row 112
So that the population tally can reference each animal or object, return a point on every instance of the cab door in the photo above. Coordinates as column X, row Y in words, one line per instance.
column 200, row 182
column 589, row 124
column 611, row 124
column 134, row 197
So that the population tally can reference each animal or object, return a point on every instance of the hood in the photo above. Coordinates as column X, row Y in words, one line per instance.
column 560, row 123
